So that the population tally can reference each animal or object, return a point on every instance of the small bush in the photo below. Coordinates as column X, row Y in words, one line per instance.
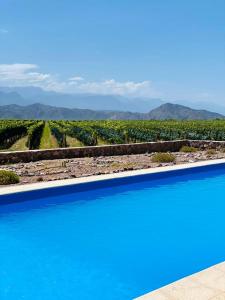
column 39, row 179
column 8, row 177
column 163, row 158
column 211, row 152
column 188, row 149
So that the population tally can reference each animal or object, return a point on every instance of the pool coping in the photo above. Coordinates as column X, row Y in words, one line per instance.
column 207, row 284
column 15, row 189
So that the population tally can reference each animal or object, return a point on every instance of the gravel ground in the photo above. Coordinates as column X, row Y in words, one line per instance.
column 49, row 170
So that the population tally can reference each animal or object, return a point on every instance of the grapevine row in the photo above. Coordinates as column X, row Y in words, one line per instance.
column 11, row 131
column 34, row 135
column 91, row 133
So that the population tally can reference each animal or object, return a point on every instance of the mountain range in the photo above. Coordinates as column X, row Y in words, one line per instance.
column 36, row 103
column 29, row 95
column 46, row 112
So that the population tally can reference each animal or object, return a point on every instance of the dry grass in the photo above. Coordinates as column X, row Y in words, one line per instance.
column 19, row 145
column 163, row 158
column 188, row 149
column 72, row 142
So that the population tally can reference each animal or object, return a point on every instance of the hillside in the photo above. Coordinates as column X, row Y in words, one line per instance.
column 46, row 112
column 28, row 95
column 180, row 112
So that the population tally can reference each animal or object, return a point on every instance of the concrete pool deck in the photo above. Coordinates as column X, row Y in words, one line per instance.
column 208, row 284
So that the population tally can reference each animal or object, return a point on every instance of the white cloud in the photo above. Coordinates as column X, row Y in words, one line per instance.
column 76, row 78
column 27, row 74
column 125, row 88
column 3, row 31
column 24, row 74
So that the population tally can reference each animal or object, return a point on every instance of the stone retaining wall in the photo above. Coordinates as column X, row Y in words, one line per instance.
column 207, row 144
column 109, row 150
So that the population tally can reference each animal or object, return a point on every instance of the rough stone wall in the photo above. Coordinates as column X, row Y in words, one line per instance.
column 109, row 150
column 207, row 144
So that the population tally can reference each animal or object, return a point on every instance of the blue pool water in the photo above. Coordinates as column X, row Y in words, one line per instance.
column 112, row 243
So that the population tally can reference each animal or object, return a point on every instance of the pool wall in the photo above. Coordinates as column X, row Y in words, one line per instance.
column 21, row 193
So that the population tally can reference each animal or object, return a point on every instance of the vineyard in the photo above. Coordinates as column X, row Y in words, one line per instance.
column 21, row 135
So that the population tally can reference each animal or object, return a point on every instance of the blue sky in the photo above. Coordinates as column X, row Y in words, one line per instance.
column 172, row 49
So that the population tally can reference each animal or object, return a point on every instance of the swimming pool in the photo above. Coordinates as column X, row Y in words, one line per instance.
column 112, row 240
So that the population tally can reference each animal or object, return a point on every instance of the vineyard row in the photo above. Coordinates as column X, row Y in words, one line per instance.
column 91, row 133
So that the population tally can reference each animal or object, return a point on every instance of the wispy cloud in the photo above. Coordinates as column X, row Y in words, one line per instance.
column 31, row 75
column 28, row 74
column 125, row 88
column 76, row 78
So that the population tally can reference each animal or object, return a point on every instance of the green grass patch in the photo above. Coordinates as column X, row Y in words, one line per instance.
column 8, row 177
column 48, row 141
column 163, row 158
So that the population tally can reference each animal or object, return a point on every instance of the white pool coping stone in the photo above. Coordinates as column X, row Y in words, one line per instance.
column 89, row 179
column 208, row 284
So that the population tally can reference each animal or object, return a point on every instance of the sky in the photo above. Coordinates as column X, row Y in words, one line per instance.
column 169, row 49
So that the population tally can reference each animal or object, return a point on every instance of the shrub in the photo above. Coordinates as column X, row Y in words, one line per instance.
column 163, row 158
column 188, row 149
column 8, row 177
column 39, row 179
column 211, row 152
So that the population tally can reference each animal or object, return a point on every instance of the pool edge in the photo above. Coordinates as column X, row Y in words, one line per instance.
column 207, row 284
column 11, row 190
